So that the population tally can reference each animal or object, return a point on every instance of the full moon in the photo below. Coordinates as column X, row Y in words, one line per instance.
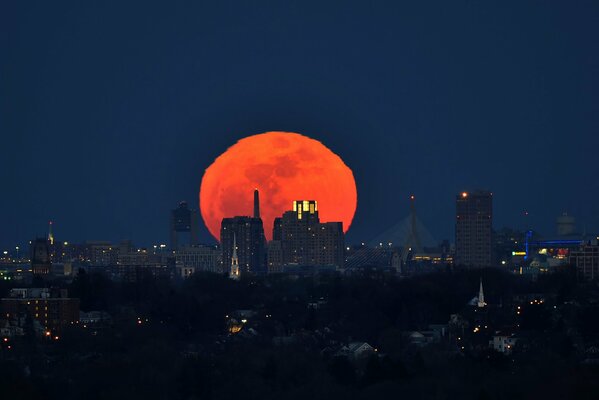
column 283, row 166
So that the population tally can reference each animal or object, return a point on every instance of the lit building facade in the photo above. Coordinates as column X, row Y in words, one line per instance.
column 51, row 308
column 307, row 241
column 200, row 258
column 474, row 227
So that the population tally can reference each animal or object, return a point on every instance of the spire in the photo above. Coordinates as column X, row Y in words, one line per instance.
column 256, row 204
column 481, row 295
column 50, row 235
column 235, row 247
column 234, row 270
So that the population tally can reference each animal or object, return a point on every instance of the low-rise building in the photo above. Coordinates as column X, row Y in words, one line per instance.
column 503, row 342
column 52, row 308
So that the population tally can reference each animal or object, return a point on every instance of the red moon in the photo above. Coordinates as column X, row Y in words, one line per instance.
column 283, row 166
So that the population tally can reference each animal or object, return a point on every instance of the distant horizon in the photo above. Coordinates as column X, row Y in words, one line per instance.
column 205, row 234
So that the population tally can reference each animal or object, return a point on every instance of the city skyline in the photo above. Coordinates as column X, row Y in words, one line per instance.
column 299, row 200
column 551, row 222
column 432, row 106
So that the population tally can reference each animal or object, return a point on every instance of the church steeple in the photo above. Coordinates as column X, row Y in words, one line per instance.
column 481, row 295
column 234, row 270
column 50, row 234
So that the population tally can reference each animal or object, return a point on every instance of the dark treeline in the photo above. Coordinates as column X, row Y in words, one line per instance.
column 169, row 340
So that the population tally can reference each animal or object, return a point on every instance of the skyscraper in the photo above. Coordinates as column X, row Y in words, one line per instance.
column 183, row 221
column 246, row 234
column 307, row 241
column 473, row 231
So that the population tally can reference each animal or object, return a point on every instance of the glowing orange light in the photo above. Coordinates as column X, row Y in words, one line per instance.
column 284, row 167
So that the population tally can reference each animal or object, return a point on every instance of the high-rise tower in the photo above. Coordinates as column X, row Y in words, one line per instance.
column 184, row 221
column 307, row 241
column 473, row 229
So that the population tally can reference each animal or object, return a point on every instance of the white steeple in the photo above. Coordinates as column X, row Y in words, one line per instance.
column 481, row 295
column 50, row 234
column 234, row 271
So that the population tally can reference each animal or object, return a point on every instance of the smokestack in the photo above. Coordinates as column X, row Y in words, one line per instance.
column 256, row 204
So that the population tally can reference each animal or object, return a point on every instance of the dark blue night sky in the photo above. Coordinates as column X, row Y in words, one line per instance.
column 109, row 113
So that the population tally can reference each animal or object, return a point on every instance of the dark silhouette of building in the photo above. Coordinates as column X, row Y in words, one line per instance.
column 40, row 257
column 474, row 226
column 307, row 241
column 274, row 256
column 136, row 265
column 276, row 230
column 247, row 233
column 184, row 221
column 274, row 252
column 586, row 260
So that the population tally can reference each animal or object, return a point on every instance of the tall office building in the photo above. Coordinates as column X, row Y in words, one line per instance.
column 184, row 221
column 307, row 241
column 247, row 233
column 473, row 229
